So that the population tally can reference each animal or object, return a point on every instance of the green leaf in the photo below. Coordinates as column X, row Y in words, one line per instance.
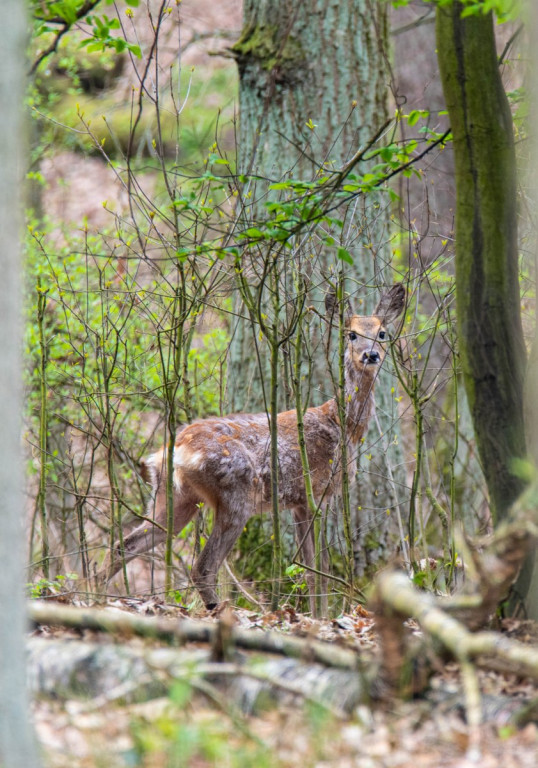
column 294, row 570
column 472, row 10
column 280, row 185
column 215, row 159
column 344, row 255
column 253, row 232
column 66, row 10
column 95, row 46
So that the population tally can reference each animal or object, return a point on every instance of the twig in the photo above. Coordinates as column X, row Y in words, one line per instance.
column 240, row 587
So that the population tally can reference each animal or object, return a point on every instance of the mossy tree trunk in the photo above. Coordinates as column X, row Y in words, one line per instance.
column 315, row 60
column 491, row 343
column 323, row 62
column 319, row 61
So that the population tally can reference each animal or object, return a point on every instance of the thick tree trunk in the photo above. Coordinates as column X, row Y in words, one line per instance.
column 309, row 60
column 318, row 61
column 488, row 305
column 17, row 748
column 322, row 62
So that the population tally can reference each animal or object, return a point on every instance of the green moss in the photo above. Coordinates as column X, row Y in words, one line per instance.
column 264, row 44
column 372, row 542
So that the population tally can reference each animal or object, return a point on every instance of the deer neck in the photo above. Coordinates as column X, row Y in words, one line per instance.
column 359, row 388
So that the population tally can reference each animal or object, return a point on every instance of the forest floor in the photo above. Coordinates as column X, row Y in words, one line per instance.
column 197, row 727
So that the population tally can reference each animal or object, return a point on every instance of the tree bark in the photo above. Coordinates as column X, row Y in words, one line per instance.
column 322, row 62
column 17, row 748
column 491, row 343
column 310, row 60
column 317, row 61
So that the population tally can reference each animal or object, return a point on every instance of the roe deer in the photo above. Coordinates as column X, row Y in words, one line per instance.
column 224, row 461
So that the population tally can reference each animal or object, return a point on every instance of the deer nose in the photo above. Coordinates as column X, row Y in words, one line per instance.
column 370, row 357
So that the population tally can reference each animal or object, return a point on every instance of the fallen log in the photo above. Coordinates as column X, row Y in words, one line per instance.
column 191, row 631
column 98, row 673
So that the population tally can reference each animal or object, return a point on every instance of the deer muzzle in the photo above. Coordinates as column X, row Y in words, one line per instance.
column 370, row 357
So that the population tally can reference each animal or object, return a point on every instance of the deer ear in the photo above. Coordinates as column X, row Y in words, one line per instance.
column 331, row 306
column 391, row 304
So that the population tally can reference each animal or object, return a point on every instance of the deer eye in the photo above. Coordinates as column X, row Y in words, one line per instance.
column 352, row 336
column 382, row 335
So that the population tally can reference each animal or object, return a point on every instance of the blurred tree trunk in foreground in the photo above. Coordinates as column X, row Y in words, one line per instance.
column 17, row 747
column 527, row 584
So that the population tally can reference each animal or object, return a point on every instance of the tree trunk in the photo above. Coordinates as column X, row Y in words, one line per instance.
column 488, row 307
column 313, row 90
column 17, row 749
column 526, row 589
column 310, row 60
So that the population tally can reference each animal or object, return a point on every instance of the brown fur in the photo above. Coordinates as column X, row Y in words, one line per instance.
column 225, row 461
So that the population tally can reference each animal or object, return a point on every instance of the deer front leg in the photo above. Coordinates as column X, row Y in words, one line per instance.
column 228, row 525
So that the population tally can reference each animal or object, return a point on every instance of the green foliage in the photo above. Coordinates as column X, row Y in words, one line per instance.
column 53, row 20
column 301, row 205
column 101, row 37
column 109, row 340
column 179, row 738
column 50, row 587
column 298, row 575
column 505, row 10
column 88, row 57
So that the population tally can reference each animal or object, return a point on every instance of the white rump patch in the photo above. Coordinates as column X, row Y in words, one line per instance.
column 186, row 459
column 153, row 466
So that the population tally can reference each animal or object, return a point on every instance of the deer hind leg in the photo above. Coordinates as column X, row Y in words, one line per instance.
column 304, row 536
column 230, row 520
column 146, row 536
